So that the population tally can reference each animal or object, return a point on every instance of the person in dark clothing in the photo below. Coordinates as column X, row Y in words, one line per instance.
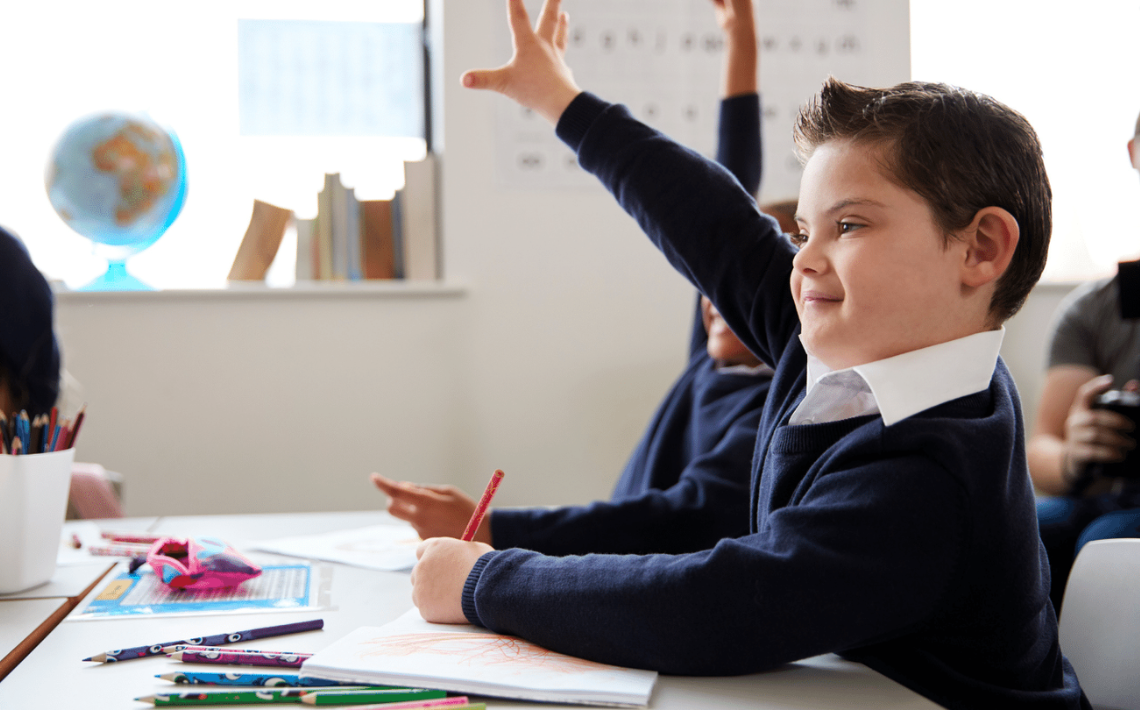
column 891, row 516
column 686, row 483
column 29, row 353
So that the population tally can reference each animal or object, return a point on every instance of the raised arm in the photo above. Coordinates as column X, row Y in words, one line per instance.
column 738, row 131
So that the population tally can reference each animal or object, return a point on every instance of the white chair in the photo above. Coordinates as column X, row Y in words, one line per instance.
column 1100, row 622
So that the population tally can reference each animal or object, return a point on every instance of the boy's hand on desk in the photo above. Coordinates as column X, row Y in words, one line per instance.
column 439, row 576
column 433, row 511
column 537, row 76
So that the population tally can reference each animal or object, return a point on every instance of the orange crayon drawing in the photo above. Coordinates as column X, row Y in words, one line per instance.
column 482, row 650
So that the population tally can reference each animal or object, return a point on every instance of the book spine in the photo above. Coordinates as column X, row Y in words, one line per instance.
column 420, row 219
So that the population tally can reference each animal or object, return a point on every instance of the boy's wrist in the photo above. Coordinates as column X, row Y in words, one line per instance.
column 468, row 600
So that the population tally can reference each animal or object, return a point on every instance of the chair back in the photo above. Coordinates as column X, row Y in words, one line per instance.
column 1100, row 622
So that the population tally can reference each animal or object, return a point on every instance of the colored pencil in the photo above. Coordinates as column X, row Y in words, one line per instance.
column 136, row 537
column 53, row 420
column 156, row 649
column 345, row 696
column 75, row 427
column 250, row 635
column 117, row 550
column 457, row 703
column 260, row 696
column 267, row 680
column 481, row 508
column 241, row 657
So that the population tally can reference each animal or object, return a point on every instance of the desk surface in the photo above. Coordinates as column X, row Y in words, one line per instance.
column 52, row 674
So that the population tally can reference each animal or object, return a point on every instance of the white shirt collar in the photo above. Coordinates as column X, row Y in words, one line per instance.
column 907, row 384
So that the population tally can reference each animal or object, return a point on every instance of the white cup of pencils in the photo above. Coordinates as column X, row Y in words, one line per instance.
column 35, row 477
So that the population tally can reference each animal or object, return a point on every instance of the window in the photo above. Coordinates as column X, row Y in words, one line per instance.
column 196, row 68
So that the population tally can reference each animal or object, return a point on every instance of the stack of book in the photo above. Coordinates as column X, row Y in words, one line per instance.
column 351, row 239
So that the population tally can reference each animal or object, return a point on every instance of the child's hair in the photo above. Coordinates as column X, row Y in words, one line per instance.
column 959, row 150
column 29, row 354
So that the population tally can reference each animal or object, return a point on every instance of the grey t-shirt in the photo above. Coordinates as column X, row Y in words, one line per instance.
column 1089, row 331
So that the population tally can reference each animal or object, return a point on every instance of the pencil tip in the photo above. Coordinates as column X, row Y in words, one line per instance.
column 97, row 658
column 146, row 699
column 177, row 655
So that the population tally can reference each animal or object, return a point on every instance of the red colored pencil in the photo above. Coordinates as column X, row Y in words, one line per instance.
column 75, row 428
column 481, row 509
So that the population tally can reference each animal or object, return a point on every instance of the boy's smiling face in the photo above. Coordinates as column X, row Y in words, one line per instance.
column 873, row 278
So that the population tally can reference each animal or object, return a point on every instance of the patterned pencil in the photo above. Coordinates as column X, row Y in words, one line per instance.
column 118, row 550
column 132, row 537
column 346, row 696
column 156, row 649
column 226, row 697
column 481, row 507
column 438, row 703
column 268, row 680
column 458, row 703
column 237, row 657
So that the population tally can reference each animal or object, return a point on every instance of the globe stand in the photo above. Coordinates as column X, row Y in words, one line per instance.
column 116, row 278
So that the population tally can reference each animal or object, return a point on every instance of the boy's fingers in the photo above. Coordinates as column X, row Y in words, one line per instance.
column 548, row 19
column 518, row 18
column 484, row 79
column 561, row 32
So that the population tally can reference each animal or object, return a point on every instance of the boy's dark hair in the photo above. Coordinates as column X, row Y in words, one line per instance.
column 959, row 150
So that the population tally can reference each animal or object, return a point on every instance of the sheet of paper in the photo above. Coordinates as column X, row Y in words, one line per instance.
column 290, row 587
column 389, row 547
column 469, row 659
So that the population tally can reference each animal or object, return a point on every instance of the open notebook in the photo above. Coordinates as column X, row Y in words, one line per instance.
column 468, row 659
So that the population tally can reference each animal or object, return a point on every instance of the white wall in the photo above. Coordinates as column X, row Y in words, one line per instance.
column 566, row 333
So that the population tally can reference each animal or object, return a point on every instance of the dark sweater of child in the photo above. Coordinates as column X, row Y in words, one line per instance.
column 686, row 484
column 911, row 548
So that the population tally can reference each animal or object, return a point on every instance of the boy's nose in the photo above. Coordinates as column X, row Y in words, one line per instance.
column 809, row 259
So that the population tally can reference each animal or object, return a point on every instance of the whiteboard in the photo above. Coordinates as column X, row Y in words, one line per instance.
column 663, row 59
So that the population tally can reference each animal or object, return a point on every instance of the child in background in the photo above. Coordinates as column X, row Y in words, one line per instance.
column 686, row 484
column 29, row 355
column 892, row 520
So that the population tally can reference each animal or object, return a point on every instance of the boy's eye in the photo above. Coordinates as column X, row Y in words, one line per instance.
column 798, row 239
column 845, row 227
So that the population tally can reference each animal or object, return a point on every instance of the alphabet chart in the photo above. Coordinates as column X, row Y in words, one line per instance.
column 663, row 59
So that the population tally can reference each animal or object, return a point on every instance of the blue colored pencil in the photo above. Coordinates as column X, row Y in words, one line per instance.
column 268, row 680
column 156, row 649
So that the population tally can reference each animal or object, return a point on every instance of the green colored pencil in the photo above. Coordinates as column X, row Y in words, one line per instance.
column 348, row 696
column 233, row 697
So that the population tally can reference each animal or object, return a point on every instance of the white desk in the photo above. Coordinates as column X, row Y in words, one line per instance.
column 27, row 617
column 50, row 676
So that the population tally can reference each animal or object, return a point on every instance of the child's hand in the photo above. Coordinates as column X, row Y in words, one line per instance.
column 537, row 76
column 439, row 576
column 434, row 511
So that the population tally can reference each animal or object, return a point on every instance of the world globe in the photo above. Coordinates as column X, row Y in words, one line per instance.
column 118, row 179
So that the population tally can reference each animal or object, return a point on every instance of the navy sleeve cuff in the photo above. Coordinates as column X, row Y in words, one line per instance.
column 578, row 117
column 469, row 609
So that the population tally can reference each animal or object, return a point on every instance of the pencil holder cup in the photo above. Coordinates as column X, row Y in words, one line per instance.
column 33, row 503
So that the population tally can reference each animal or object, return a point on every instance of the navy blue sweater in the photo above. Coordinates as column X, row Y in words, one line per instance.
column 911, row 548
column 686, row 484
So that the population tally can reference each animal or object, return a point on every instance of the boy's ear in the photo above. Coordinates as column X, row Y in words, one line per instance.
column 1134, row 153
column 990, row 241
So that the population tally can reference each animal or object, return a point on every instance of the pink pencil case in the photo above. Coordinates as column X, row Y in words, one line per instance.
column 199, row 563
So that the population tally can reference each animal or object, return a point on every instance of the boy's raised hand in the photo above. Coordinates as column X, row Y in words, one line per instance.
column 434, row 511
column 438, row 578
column 537, row 76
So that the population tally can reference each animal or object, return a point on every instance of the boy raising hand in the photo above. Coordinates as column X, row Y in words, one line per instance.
column 891, row 518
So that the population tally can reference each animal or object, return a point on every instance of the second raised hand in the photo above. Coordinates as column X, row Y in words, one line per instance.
column 537, row 76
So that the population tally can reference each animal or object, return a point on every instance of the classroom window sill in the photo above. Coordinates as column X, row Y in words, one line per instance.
column 256, row 290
